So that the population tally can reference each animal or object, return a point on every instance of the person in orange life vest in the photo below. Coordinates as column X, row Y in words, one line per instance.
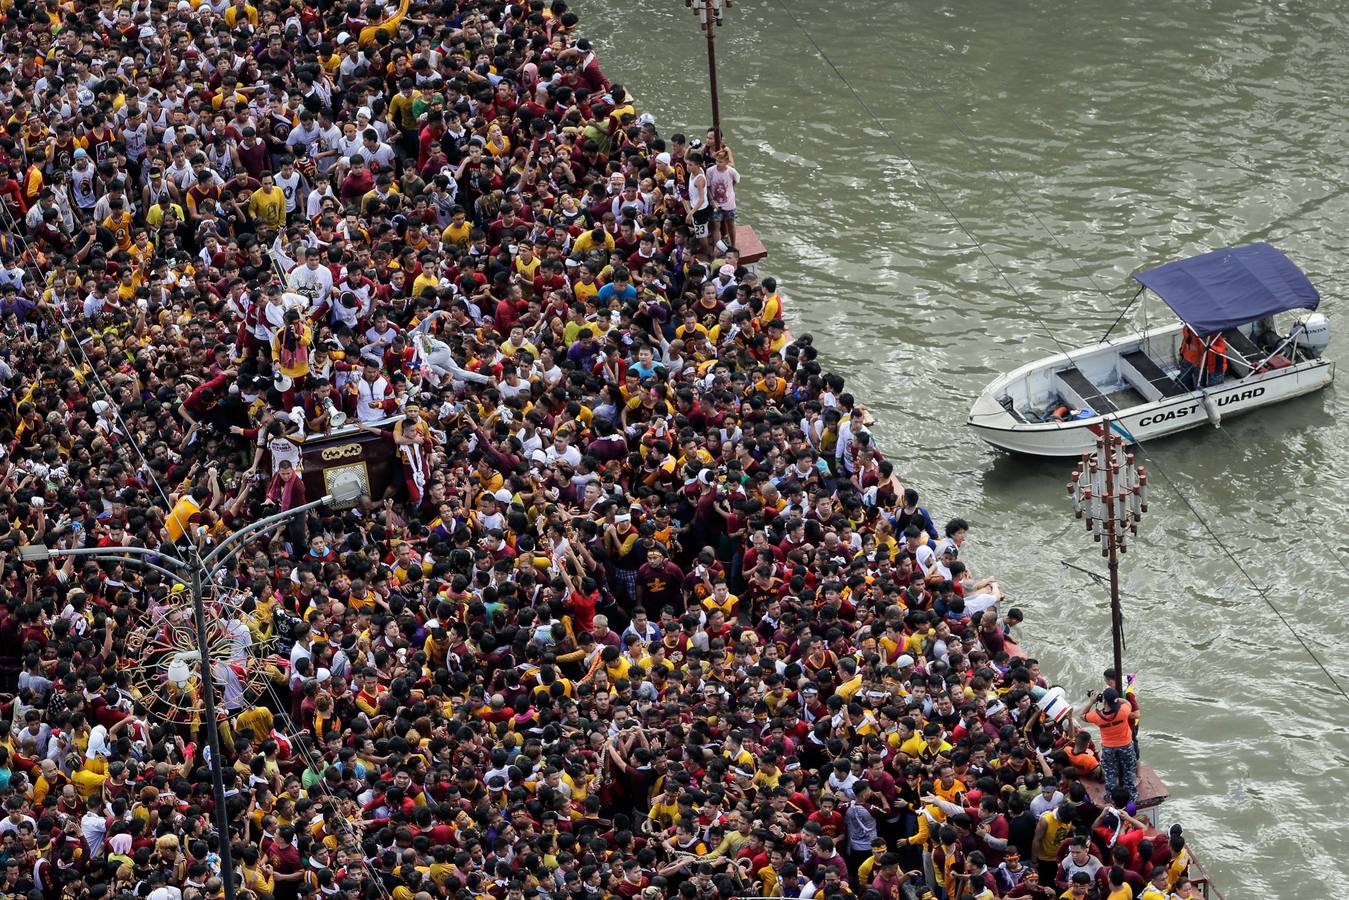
column 1203, row 360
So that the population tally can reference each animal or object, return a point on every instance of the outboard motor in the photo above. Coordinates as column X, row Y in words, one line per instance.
column 1310, row 335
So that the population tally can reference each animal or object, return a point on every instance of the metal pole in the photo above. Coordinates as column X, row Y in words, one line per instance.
column 207, row 677
column 708, row 26
column 235, row 540
column 709, row 15
column 1112, row 544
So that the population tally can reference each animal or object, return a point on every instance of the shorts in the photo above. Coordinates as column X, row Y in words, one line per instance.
column 723, row 215
column 699, row 221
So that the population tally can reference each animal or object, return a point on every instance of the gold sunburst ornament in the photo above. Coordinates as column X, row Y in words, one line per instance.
column 165, row 664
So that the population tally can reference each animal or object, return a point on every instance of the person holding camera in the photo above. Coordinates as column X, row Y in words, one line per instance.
column 1119, row 761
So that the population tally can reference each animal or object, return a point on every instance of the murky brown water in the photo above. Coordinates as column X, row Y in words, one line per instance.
column 1133, row 133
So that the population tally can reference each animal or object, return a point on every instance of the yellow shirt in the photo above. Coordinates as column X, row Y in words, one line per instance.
column 766, row 779
column 1056, row 830
column 232, row 17
column 88, row 783
column 269, row 206
column 400, row 110
column 258, row 883
column 583, row 291
column 772, row 308
column 389, row 26
column 587, row 242
column 727, row 606
column 619, row 669
column 425, row 282
column 664, row 813
column 949, row 794
column 458, row 235
column 913, row 746
column 527, row 269
column 511, row 349
column 848, row 688
column 865, row 869
column 301, row 366
column 155, row 215
column 120, row 226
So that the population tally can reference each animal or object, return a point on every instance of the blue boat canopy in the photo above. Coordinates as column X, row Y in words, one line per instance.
column 1226, row 288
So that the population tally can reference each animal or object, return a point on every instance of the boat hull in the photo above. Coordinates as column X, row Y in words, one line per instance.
column 1151, row 420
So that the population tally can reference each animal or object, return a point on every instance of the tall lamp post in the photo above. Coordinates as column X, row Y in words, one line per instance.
column 345, row 492
column 709, row 19
column 1110, row 494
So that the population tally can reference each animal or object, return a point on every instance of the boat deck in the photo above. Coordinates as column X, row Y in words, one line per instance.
column 1151, row 791
column 1126, row 398
column 1089, row 393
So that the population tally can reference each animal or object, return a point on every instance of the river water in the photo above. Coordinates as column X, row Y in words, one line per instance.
column 1078, row 143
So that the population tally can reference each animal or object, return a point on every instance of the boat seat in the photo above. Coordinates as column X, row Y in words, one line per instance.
column 1153, row 373
column 1239, row 341
column 1090, row 394
column 1242, row 353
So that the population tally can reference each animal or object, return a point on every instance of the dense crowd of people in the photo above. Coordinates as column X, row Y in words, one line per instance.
column 644, row 611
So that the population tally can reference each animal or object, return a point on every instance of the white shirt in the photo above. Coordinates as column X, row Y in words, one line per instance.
column 309, row 139
column 381, row 153
column 299, row 652
column 95, row 828
column 316, row 284
column 314, row 203
column 369, row 396
column 283, row 449
column 292, row 187
column 1039, row 805
column 571, row 455
column 7, row 825
column 271, row 319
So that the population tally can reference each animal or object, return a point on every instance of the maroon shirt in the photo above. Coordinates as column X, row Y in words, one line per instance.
column 285, row 860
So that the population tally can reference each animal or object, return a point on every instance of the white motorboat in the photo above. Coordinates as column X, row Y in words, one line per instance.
column 1138, row 384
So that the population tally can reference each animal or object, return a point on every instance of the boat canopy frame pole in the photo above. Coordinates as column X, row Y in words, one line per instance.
column 1123, row 313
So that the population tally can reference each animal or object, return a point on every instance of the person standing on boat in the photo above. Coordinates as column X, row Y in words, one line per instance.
column 722, row 179
column 1119, row 761
column 1203, row 360
column 699, row 204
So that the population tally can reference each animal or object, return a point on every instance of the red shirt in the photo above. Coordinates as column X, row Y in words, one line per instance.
column 583, row 609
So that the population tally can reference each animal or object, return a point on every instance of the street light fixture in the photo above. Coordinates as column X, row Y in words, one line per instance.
column 35, row 553
column 344, row 492
column 1109, row 493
